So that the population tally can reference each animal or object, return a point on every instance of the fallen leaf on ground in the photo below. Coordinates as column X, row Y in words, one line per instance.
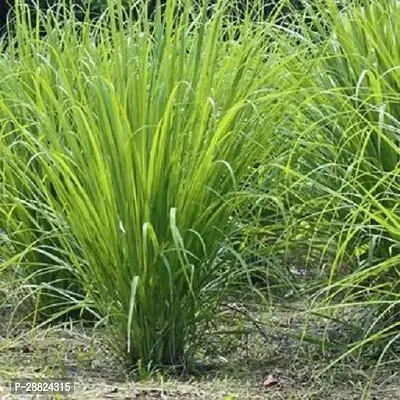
column 271, row 383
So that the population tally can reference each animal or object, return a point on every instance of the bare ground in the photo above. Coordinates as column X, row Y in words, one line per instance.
column 258, row 364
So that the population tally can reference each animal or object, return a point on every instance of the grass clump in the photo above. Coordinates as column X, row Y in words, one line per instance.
column 150, row 165
column 340, row 180
column 122, row 150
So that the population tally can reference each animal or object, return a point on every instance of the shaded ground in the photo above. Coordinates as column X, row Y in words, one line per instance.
column 255, row 364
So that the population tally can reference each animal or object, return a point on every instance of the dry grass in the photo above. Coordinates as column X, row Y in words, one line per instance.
column 248, row 361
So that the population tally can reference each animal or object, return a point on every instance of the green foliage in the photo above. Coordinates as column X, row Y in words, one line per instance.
column 342, row 175
column 122, row 154
column 136, row 153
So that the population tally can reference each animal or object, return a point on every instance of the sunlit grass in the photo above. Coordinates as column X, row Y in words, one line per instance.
column 135, row 155
column 123, row 151
column 341, row 177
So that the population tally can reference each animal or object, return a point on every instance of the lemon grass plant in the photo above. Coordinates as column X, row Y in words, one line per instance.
column 123, row 144
column 342, row 175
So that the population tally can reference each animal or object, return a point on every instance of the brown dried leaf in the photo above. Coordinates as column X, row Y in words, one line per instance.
column 271, row 383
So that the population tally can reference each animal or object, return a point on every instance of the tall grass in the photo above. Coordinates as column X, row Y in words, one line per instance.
column 123, row 150
column 341, row 179
column 128, row 145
